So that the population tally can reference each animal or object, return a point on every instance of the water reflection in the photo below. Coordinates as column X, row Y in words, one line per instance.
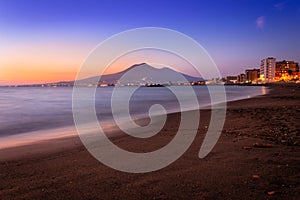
column 263, row 90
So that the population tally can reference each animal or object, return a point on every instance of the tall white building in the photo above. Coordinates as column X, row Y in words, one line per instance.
column 267, row 69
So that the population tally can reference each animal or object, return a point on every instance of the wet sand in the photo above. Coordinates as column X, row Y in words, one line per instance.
column 235, row 169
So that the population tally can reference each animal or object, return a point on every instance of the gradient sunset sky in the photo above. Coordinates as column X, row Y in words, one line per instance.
column 48, row 40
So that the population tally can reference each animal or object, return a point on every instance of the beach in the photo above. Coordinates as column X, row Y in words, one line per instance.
column 256, row 157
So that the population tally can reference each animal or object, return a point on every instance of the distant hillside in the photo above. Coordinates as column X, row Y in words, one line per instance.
column 142, row 74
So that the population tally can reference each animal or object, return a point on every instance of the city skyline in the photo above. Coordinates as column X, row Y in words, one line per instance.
column 48, row 41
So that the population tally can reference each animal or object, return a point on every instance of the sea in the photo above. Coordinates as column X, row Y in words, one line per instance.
column 30, row 114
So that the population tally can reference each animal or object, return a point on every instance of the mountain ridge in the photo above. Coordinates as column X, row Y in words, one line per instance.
column 142, row 73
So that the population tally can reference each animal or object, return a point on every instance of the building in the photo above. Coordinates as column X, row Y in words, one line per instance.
column 215, row 81
column 241, row 78
column 286, row 70
column 267, row 69
column 252, row 75
column 231, row 80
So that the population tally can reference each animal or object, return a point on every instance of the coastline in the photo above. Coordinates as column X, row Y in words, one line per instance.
column 63, row 169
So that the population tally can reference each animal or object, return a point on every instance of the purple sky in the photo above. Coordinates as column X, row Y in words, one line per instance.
column 52, row 38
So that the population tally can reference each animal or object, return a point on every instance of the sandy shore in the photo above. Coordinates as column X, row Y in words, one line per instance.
column 235, row 169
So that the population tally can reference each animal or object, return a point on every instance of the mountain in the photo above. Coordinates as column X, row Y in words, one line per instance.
column 142, row 74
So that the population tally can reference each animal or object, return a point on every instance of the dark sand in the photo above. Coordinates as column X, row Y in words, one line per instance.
column 63, row 169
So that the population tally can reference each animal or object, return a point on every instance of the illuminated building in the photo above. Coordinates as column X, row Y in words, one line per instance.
column 267, row 69
column 252, row 75
column 286, row 70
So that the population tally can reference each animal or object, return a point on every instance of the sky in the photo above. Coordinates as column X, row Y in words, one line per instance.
column 48, row 40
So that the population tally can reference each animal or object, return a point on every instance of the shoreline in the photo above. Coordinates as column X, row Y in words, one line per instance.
column 235, row 169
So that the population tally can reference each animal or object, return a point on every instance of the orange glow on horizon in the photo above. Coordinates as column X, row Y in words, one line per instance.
column 28, row 76
column 52, row 65
column 41, row 62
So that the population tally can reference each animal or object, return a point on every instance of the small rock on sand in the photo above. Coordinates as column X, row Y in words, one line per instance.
column 271, row 193
column 255, row 176
column 262, row 145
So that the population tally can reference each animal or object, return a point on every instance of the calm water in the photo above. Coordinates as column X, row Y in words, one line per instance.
column 26, row 109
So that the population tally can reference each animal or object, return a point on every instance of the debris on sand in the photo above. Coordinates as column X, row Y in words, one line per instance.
column 263, row 145
column 271, row 193
column 255, row 176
